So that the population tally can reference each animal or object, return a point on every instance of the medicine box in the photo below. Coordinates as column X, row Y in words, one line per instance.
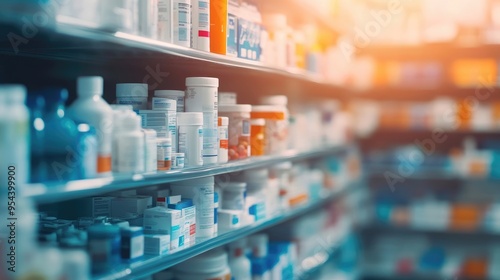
column 188, row 211
column 124, row 207
column 157, row 244
column 161, row 220
column 154, row 192
column 87, row 207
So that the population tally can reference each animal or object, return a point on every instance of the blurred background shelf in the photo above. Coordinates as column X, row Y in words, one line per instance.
column 150, row 265
column 379, row 228
column 60, row 191
column 416, row 94
column 438, row 51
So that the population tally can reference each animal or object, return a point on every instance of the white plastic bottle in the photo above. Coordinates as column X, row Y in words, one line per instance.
column 165, row 24
column 91, row 108
column 241, row 268
column 148, row 18
column 130, row 146
column 201, row 96
column 14, row 138
column 200, row 21
column 190, row 135
column 181, row 21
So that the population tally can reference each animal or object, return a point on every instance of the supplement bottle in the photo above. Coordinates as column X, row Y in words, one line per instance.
column 191, row 135
column 90, row 108
column 200, row 25
column 201, row 96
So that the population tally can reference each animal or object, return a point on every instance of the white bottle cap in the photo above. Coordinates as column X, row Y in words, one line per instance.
column 286, row 165
column 89, row 86
column 190, row 118
column 258, row 122
column 243, row 108
column 222, row 121
column 169, row 93
column 202, row 82
column 280, row 100
column 13, row 94
column 131, row 89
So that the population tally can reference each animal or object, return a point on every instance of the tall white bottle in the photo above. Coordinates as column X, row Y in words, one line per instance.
column 91, row 108
column 241, row 268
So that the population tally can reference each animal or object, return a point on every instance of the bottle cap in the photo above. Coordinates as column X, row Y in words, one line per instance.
column 243, row 108
column 202, row 82
column 169, row 93
column 89, row 86
column 190, row 118
column 13, row 94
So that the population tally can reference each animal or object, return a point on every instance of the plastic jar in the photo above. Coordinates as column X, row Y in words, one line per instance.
column 177, row 95
column 255, row 202
column 191, row 135
column 104, row 247
column 212, row 265
column 218, row 26
column 233, row 195
column 170, row 107
column 223, row 139
column 130, row 145
column 281, row 172
column 227, row 98
column 132, row 94
column 276, row 127
column 239, row 129
column 178, row 160
column 201, row 191
column 164, row 153
column 150, row 150
column 258, row 137
column 201, row 96
column 200, row 29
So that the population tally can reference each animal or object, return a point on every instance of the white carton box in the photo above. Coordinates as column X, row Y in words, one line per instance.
column 156, row 244
column 127, row 206
column 161, row 220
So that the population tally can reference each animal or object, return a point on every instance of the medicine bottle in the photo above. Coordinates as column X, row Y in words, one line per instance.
column 191, row 134
column 239, row 129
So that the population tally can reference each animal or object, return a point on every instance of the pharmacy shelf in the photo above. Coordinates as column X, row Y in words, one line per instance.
column 423, row 174
column 311, row 265
column 438, row 52
column 150, row 265
column 430, row 93
column 381, row 229
column 60, row 191
column 413, row 276
column 70, row 41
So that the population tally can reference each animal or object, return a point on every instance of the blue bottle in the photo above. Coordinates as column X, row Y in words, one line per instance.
column 61, row 138
column 87, row 151
column 36, row 104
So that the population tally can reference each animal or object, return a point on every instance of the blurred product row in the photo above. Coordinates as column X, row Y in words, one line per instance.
column 176, row 129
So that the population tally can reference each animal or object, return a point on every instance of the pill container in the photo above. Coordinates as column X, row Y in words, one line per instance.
column 132, row 94
column 201, row 96
column 207, row 266
column 218, row 26
column 191, row 134
column 239, row 129
column 201, row 191
column 177, row 95
column 233, row 195
column 177, row 160
column 200, row 25
column 223, row 139
column 104, row 247
column 150, row 150
column 276, row 127
column 258, row 137
column 170, row 107
column 164, row 153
